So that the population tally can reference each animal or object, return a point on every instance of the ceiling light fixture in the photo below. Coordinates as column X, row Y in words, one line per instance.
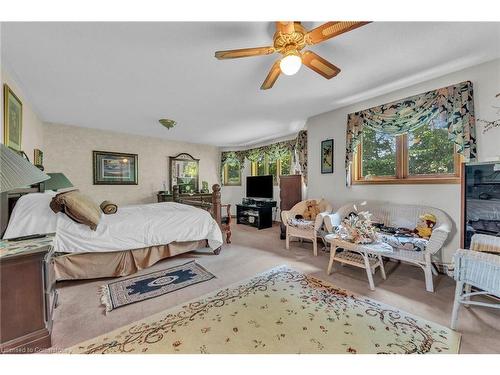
column 289, row 40
column 169, row 124
column 291, row 63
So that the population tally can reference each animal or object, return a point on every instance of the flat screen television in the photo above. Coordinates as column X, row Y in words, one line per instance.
column 260, row 186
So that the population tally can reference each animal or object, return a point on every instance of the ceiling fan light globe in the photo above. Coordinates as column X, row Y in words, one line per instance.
column 290, row 64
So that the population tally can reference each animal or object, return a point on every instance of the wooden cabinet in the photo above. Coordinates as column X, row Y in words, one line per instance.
column 290, row 195
column 28, row 296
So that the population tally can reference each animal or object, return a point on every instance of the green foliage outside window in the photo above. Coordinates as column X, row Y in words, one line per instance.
column 430, row 151
column 261, row 167
column 378, row 153
column 275, row 168
column 232, row 174
column 286, row 164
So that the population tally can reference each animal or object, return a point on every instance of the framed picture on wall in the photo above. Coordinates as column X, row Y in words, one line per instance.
column 115, row 168
column 327, row 156
column 12, row 119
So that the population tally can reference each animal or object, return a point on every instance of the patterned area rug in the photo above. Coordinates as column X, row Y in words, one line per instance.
column 280, row 311
column 138, row 288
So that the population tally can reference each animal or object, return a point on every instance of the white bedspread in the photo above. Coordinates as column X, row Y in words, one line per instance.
column 135, row 227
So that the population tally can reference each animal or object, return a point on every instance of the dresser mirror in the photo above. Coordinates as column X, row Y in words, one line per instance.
column 184, row 172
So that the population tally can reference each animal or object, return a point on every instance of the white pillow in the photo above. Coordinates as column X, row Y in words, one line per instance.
column 32, row 215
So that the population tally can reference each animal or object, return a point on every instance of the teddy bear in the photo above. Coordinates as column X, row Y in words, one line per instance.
column 311, row 211
column 425, row 225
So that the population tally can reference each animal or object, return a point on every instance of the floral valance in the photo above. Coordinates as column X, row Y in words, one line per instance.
column 233, row 158
column 274, row 151
column 452, row 104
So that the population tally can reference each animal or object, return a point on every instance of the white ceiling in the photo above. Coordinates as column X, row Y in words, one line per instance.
column 125, row 76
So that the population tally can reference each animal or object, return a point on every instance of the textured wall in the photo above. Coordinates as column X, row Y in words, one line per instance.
column 32, row 136
column 68, row 149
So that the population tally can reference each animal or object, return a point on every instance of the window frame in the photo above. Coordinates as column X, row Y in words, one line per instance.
column 253, row 169
column 226, row 175
column 402, row 175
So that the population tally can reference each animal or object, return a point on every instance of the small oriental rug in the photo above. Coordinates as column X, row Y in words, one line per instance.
column 280, row 311
column 138, row 288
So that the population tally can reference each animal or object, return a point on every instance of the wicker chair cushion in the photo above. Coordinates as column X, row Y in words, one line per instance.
column 301, row 223
column 404, row 243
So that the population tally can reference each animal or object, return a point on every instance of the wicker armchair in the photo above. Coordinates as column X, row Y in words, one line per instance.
column 478, row 269
column 402, row 215
column 308, row 230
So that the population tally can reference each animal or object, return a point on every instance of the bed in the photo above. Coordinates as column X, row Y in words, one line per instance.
column 134, row 238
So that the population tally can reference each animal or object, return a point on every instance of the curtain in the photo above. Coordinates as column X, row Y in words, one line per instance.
column 274, row 151
column 452, row 104
column 231, row 158
column 277, row 151
column 254, row 155
column 301, row 150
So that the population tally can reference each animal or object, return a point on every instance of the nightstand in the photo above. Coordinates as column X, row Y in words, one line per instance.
column 27, row 295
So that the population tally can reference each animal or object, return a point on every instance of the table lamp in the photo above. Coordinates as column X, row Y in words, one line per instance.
column 15, row 172
column 57, row 181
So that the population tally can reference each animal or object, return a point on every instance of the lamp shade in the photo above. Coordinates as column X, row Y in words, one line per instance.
column 57, row 181
column 17, row 172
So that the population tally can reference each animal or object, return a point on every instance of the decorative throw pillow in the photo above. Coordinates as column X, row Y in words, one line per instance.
column 109, row 207
column 78, row 207
column 56, row 204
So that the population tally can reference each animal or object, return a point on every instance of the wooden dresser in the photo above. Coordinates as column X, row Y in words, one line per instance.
column 28, row 295
column 290, row 195
column 202, row 197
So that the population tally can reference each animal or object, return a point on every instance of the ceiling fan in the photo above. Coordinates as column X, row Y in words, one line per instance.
column 289, row 39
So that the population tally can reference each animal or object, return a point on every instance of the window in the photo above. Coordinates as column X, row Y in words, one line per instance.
column 425, row 155
column 378, row 154
column 276, row 168
column 286, row 164
column 430, row 152
column 232, row 174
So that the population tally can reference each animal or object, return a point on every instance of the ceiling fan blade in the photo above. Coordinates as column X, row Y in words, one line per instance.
column 272, row 76
column 319, row 65
column 244, row 52
column 331, row 29
column 286, row 27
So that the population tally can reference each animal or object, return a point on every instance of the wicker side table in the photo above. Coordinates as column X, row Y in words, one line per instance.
column 367, row 256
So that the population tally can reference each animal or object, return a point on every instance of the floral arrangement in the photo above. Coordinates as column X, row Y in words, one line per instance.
column 358, row 228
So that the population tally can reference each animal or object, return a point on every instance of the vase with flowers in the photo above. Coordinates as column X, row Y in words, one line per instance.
column 358, row 228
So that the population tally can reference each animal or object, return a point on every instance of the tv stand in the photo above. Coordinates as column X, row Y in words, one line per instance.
column 259, row 214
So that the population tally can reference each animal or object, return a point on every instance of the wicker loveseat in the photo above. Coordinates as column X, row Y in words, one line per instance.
column 415, row 251
column 304, row 228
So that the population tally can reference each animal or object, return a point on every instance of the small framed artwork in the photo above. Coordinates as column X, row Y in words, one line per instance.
column 327, row 156
column 38, row 157
column 114, row 168
column 12, row 119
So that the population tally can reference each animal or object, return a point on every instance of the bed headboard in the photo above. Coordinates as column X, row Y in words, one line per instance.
column 9, row 199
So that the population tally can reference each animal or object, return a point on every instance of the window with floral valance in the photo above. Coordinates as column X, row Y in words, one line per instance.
column 398, row 127
column 230, row 160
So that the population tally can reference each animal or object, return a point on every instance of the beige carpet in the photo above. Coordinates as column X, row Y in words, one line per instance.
column 280, row 311
column 80, row 317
